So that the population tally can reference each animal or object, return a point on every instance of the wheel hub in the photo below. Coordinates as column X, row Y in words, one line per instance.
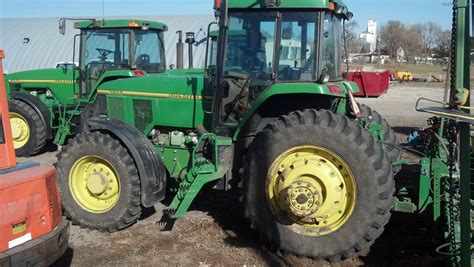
column 313, row 187
column 94, row 184
column 16, row 129
column 302, row 199
column 20, row 130
column 97, row 184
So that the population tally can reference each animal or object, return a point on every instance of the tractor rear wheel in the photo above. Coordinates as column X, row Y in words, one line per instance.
column 28, row 131
column 390, row 139
column 316, row 184
column 99, row 183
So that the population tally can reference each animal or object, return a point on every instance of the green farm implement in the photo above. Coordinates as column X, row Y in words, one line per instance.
column 278, row 126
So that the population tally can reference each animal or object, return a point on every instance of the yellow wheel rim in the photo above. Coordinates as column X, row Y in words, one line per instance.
column 311, row 189
column 94, row 184
column 20, row 130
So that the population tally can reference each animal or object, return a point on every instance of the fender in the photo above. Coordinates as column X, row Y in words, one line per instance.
column 151, row 170
column 342, row 91
column 39, row 107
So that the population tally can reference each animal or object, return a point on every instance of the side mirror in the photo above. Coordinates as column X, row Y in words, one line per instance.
column 323, row 78
column 349, row 16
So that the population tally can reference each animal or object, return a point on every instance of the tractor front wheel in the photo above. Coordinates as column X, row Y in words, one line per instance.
column 317, row 184
column 28, row 131
column 98, row 182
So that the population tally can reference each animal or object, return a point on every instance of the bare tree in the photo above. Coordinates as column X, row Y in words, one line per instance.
column 412, row 41
column 392, row 36
column 443, row 44
column 354, row 43
column 430, row 32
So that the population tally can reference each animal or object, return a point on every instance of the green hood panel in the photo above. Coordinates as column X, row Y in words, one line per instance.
column 62, row 83
column 173, row 100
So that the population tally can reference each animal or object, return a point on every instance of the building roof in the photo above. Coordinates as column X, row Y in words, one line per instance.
column 35, row 43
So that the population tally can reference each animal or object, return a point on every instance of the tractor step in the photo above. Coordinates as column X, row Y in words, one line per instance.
column 202, row 171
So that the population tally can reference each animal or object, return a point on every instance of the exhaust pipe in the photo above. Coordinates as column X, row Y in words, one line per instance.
column 180, row 51
column 190, row 40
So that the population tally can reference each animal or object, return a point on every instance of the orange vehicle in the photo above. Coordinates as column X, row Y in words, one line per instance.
column 32, row 228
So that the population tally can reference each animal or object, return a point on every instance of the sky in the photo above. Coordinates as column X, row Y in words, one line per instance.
column 408, row 11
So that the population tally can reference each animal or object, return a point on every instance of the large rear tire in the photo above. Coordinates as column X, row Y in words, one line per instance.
column 28, row 131
column 316, row 184
column 99, row 182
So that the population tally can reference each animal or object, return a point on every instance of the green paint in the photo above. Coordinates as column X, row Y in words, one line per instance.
column 120, row 24
column 291, row 89
column 61, row 83
column 202, row 171
column 283, row 4
column 60, row 89
column 176, row 99
column 176, row 159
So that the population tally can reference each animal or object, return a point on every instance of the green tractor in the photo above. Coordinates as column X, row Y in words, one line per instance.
column 52, row 104
column 310, row 164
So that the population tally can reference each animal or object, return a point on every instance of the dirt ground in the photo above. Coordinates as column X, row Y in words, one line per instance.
column 215, row 233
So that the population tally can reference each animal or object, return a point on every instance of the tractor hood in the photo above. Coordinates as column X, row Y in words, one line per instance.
column 59, row 81
column 41, row 76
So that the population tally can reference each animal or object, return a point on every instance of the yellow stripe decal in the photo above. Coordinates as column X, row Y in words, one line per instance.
column 158, row 95
column 42, row 81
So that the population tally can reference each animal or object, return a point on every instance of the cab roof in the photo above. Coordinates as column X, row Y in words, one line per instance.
column 120, row 23
column 283, row 3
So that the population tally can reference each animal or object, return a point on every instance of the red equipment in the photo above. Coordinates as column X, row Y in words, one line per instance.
column 371, row 83
column 32, row 229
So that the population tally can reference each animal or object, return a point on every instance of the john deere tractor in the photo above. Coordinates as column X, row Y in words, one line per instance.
column 278, row 126
column 51, row 103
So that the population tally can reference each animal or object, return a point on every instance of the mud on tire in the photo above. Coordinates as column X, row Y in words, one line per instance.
column 364, row 156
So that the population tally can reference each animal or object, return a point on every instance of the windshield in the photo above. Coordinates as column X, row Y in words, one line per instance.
column 250, row 39
column 331, row 47
column 298, row 47
column 149, row 51
column 109, row 49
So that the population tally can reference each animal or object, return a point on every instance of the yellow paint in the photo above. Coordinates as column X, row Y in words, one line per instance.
column 18, row 228
column 94, row 184
column 158, row 95
column 311, row 189
column 20, row 130
column 42, row 81
column 404, row 75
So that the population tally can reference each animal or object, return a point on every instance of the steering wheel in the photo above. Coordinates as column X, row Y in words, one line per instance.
column 104, row 53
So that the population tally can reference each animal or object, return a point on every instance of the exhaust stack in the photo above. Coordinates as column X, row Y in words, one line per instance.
column 180, row 51
column 190, row 40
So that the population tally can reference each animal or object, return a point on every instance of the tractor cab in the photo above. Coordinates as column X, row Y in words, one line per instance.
column 271, row 44
column 111, row 48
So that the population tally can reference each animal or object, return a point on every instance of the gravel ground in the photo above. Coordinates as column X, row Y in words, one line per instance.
column 212, row 234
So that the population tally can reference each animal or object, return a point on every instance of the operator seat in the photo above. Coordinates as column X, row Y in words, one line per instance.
column 143, row 61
